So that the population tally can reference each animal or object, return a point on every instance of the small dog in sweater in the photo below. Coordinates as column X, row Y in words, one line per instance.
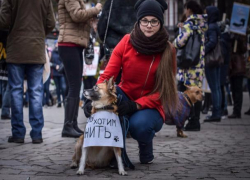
column 187, row 99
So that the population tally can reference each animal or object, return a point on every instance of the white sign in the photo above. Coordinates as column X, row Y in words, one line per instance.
column 103, row 129
column 90, row 70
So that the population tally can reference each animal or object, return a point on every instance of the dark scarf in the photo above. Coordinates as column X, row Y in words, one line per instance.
column 149, row 45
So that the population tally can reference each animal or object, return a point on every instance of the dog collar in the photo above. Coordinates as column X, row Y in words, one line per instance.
column 189, row 100
column 108, row 107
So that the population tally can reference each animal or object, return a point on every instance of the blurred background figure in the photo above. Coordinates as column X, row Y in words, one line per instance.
column 121, row 22
column 74, row 31
column 213, row 73
column 58, row 77
column 237, row 72
column 194, row 75
column 4, row 85
column 224, row 69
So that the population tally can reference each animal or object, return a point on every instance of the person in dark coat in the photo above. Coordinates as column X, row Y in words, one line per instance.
column 213, row 73
column 237, row 73
column 119, row 24
column 28, row 22
column 225, row 49
column 58, row 77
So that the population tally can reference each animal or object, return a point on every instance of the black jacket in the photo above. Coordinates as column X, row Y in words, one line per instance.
column 213, row 29
column 122, row 20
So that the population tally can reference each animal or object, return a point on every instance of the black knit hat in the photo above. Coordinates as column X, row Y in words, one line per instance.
column 154, row 8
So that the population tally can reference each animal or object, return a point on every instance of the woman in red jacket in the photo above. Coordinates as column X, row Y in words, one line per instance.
column 148, row 67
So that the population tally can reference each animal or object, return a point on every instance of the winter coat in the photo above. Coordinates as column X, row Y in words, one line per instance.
column 122, row 20
column 213, row 29
column 55, row 60
column 194, row 75
column 28, row 22
column 74, row 20
column 138, row 76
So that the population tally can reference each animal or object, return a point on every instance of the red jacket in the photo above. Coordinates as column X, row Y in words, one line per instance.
column 138, row 74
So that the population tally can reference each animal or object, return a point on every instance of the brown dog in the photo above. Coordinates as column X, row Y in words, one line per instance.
column 103, row 96
column 187, row 99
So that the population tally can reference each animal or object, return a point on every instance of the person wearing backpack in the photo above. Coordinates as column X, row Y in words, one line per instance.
column 213, row 73
column 193, row 75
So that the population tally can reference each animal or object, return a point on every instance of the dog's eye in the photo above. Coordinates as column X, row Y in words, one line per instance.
column 197, row 92
column 96, row 88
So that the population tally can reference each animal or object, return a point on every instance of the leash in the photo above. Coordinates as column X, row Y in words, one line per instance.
column 125, row 126
column 188, row 99
column 125, row 158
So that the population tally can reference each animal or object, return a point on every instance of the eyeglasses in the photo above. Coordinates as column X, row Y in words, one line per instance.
column 153, row 22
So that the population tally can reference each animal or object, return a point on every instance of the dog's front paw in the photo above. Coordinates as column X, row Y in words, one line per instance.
column 79, row 172
column 123, row 173
column 181, row 134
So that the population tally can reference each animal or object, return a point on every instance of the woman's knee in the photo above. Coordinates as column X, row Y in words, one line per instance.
column 144, row 124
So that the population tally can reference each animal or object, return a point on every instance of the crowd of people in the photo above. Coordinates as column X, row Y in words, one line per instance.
column 142, row 60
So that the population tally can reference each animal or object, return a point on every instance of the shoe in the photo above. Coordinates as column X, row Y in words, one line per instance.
column 212, row 119
column 6, row 117
column 70, row 121
column 247, row 112
column 146, row 152
column 192, row 127
column 15, row 140
column 234, row 116
column 37, row 141
column 59, row 105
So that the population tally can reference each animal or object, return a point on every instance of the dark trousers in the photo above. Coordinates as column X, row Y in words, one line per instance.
column 73, row 65
column 237, row 91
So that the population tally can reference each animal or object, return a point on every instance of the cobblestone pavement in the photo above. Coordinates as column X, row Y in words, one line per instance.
column 220, row 151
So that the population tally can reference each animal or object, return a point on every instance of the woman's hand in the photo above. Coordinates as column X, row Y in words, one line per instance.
column 99, row 6
column 127, row 107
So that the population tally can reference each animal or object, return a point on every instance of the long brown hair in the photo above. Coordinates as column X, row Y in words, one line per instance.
column 165, row 81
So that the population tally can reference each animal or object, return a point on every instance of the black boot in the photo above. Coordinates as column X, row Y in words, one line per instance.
column 194, row 120
column 146, row 152
column 206, row 103
column 68, row 128
column 75, row 124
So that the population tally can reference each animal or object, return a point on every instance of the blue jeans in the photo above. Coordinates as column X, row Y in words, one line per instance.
column 6, row 98
column 60, row 87
column 213, row 79
column 144, row 123
column 34, row 74
column 46, row 92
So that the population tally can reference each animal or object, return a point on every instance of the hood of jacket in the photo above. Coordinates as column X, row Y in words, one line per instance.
column 213, row 14
column 199, row 20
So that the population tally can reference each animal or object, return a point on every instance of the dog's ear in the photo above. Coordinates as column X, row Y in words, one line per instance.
column 111, row 83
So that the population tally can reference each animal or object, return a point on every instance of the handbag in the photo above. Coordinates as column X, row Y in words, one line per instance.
column 106, row 49
column 237, row 65
column 214, row 58
column 189, row 55
column 248, row 68
column 89, row 52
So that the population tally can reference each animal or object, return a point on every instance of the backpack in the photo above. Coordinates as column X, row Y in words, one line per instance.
column 189, row 55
